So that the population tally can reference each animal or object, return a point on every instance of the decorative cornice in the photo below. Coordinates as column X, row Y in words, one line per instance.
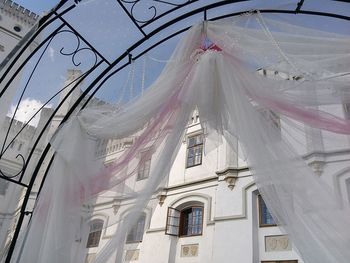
column 232, row 170
column 324, row 154
column 243, row 215
column 201, row 181
column 230, row 175
column 154, row 230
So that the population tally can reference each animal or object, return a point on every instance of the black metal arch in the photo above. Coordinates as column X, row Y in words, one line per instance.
column 109, row 68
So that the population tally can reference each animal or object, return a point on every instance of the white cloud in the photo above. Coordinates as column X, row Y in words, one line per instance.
column 51, row 53
column 27, row 108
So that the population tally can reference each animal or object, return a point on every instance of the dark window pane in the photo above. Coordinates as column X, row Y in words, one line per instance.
column 144, row 168
column 190, row 162
column 265, row 216
column 191, row 141
column 95, row 233
column 191, row 221
column 173, row 222
column 194, row 150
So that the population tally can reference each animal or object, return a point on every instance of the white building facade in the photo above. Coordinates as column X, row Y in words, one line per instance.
column 210, row 209
column 15, row 23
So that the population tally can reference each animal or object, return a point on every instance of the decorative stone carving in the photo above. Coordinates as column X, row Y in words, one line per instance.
column 189, row 250
column 231, row 180
column 229, row 175
column 132, row 255
column 317, row 167
column 277, row 243
column 161, row 197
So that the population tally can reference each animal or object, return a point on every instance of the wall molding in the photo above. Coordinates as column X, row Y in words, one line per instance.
column 243, row 215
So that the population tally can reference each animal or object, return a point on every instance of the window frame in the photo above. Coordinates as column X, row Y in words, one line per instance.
column 168, row 225
column 135, row 229
column 193, row 147
column 260, row 202
column 99, row 231
column 180, row 227
column 148, row 159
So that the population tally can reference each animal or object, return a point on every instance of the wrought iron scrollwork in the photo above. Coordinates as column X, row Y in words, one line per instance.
column 73, row 53
column 21, row 157
column 77, row 49
column 139, row 6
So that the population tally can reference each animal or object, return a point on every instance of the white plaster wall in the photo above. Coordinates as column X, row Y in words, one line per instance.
column 231, row 231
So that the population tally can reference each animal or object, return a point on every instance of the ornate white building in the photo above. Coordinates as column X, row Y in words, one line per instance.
column 15, row 23
column 20, row 140
column 209, row 210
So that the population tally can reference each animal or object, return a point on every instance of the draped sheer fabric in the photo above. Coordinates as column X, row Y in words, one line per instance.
column 225, row 86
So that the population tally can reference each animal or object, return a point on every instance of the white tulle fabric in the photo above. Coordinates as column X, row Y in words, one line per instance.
column 223, row 83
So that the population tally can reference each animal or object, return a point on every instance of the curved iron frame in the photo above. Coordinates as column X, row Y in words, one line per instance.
column 111, row 68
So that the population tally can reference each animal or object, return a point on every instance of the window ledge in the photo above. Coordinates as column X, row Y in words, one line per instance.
column 133, row 242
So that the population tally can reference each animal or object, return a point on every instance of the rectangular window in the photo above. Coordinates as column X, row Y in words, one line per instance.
column 265, row 218
column 280, row 261
column 94, row 239
column 187, row 222
column 194, row 150
column 173, row 222
column 145, row 166
column 95, row 233
column 136, row 232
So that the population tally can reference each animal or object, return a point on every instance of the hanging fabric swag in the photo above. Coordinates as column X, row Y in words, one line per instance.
column 222, row 81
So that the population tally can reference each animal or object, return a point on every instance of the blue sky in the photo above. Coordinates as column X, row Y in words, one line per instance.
column 109, row 30
column 37, row 6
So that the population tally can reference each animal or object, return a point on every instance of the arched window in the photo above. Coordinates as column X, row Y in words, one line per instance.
column 136, row 232
column 185, row 222
column 96, row 226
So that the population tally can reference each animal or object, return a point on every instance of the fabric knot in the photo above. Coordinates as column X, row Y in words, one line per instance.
column 196, row 54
